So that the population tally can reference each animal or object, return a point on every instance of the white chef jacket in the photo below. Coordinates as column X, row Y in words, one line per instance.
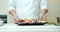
column 27, row 9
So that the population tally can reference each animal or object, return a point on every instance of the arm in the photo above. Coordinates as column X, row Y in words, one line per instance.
column 44, row 10
column 11, row 9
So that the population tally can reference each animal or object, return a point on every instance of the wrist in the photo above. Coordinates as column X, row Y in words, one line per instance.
column 14, row 15
column 12, row 12
column 43, row 11
column 42, row 14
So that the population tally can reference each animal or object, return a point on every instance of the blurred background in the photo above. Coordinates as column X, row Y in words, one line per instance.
column 53, row 10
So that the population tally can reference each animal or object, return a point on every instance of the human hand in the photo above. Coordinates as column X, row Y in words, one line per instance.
column 42, row 18
column 15, row 18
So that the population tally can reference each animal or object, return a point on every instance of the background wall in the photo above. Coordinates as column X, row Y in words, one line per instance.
column 3, row 6
column 53, row 10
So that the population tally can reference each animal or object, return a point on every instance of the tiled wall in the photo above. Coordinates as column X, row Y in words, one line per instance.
column 53, row 9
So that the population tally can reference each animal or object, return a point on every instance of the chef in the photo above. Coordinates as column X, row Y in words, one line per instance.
column 27, row 9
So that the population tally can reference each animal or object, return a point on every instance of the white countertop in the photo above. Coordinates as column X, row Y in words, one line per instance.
column 14, row 28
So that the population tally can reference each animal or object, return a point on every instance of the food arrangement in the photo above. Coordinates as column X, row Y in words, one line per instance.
column 31, row 22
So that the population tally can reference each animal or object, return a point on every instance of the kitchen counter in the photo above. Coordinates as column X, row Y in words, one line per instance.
column 15, row 28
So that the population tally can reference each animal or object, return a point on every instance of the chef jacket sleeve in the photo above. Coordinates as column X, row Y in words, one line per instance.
column 11, row 5
column 43, row 4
